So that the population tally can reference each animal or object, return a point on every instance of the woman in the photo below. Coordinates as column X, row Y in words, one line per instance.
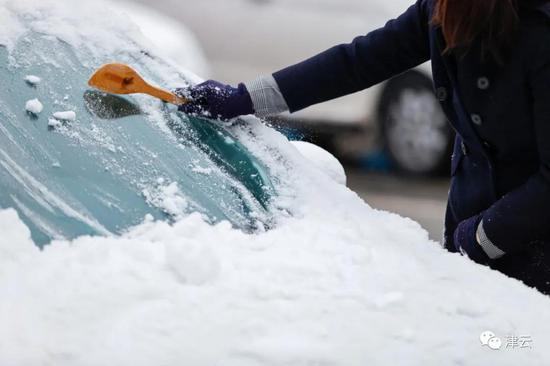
column 491, row 71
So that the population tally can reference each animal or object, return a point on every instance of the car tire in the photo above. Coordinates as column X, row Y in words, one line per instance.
column 414, row 130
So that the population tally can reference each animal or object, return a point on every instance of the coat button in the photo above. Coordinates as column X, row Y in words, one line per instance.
column 441, row 94
column 476, row 119
column 483, row 83
column 464, row 148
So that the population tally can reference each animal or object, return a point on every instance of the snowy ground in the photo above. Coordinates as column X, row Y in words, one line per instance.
column 334, row 283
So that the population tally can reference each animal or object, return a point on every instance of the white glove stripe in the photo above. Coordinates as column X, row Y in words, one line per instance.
column 266, row 96
column 490, row 249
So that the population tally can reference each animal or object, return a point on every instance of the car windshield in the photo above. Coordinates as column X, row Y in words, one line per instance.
column 74, row 161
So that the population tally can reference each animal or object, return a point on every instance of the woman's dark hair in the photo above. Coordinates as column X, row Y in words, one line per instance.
column 491, row 22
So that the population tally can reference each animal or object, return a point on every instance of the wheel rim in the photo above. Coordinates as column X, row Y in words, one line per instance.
column 417, row 133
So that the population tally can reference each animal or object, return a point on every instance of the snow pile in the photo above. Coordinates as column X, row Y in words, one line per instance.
column 32, row 79
column 34, row 106
column 323, row 160
column 337, row 284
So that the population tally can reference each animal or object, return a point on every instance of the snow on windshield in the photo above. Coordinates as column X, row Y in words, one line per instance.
column 334, row 283
column 109, row 32
column 109, row 160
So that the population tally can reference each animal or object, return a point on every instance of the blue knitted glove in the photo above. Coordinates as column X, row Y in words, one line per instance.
column 216, row 100
column 465, row 240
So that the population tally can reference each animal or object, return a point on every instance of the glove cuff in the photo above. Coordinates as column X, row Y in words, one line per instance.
column 266, row 96
column 465, row 240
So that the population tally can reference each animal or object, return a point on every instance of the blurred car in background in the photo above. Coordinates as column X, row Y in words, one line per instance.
column 246, row 38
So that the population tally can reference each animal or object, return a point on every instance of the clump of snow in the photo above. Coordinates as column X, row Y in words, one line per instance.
column 167, row 197
column 54, row 123
column 323, row 160
column 65, row 116
column 32, row 79
column 34, row 106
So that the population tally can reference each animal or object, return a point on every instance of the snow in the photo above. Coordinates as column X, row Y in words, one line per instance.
column 201, row 170
column 172, row 40
column 96, row 41
column 32, row 79
column 167, row 197
column 334, row 282
column 360, row 287
column 65, row 116
column 54, row 123
column 323, row 160
column 34, row 106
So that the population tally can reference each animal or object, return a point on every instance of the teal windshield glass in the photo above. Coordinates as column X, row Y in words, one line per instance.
column 115, row 163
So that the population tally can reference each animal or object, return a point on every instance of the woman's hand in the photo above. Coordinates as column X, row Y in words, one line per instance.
column 216, row 100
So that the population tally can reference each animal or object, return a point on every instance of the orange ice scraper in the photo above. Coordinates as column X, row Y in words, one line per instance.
column 118, row 78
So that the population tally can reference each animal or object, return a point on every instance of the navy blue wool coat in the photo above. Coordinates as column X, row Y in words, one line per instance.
column 500, row 112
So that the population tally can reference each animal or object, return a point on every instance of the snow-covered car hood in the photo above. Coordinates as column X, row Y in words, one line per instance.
column 334, row 282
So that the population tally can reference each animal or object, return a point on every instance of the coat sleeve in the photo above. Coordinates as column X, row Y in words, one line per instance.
column 401, row 44
column 522, row 217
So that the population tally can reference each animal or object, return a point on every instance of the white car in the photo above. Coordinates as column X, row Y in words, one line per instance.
column 247, row 38
column 168, row 239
